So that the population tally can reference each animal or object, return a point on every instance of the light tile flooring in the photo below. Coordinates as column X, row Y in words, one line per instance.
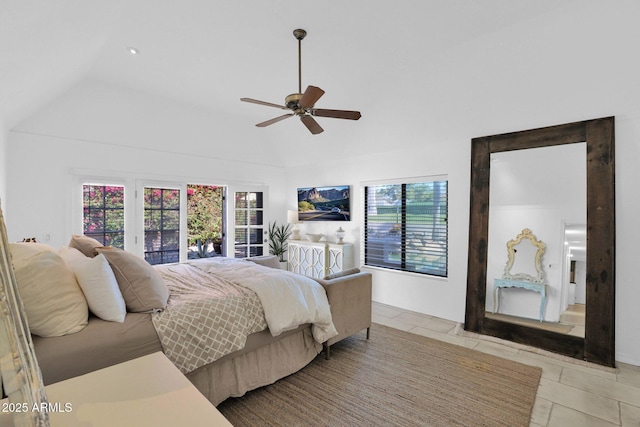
column 569, row 394
column 575, row 315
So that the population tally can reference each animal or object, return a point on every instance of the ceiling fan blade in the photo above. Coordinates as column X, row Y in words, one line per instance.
column 268, row 104
column 272, row 121
column 337, row 114
column 310, row 96
column 311, row 124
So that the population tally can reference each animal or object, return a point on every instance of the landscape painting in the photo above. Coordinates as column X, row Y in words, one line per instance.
column 324, row 203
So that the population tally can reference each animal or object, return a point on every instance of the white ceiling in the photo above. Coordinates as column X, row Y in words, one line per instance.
column 211, row 53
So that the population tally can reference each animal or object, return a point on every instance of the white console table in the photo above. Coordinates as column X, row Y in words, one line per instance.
column 540, row 288
column 318, row 259
column 148, row 391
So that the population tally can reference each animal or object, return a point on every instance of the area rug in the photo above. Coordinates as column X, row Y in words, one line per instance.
column 394, row 379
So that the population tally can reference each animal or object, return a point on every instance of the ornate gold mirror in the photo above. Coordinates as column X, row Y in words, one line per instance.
column 598, row 343
column 525, row 258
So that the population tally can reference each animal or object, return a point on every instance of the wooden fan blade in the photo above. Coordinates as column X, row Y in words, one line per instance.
column 272, row 121
column 268, row 104
column 311, row 124
column 337, row 114
column 310, row 96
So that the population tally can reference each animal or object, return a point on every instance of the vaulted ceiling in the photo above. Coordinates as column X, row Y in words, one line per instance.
column 396, row 62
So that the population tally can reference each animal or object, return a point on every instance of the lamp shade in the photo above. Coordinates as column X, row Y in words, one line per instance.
column 292, row 217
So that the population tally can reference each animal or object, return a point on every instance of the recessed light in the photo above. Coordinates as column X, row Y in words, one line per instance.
column 133, row 51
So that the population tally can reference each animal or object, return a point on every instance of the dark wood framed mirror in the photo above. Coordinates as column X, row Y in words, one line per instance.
column 598, row 344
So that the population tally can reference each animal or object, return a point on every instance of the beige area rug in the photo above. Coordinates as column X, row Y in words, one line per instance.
column 394, row 379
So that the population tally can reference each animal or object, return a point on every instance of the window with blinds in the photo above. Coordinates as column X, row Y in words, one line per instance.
column 406, row 227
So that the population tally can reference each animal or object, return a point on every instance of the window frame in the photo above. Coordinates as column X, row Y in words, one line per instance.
column 232, row 245
column 103, row 208
column 223, row 213
column 134, row 206
column 403, row 236
column 76, row 216
column 139, row 209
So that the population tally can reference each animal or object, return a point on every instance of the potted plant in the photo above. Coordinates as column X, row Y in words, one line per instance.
column 278, row 236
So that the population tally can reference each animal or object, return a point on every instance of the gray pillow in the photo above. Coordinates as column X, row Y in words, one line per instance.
column 266, row 260
column 142, row 287
column 342, row 274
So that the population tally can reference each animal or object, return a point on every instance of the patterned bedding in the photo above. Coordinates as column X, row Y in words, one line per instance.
column 206, row 316
column 216, row 303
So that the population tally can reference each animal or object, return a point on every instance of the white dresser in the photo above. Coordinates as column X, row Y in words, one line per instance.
column 318, row 259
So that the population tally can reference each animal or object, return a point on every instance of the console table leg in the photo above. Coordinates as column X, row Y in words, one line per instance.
column 543, row 301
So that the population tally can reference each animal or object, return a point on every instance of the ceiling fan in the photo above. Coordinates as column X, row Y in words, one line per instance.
column 302, row 104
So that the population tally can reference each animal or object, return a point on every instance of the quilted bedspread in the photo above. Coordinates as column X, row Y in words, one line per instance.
column 288, row 299
column 206, row 317
column 216, row 303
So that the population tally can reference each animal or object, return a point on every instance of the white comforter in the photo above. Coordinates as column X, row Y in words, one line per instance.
column 289, row 300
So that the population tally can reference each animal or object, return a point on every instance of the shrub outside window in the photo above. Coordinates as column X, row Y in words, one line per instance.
column 161, row 225
column 103, row 213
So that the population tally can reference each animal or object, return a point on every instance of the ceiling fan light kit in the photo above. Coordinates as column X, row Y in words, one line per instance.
column 302, row 104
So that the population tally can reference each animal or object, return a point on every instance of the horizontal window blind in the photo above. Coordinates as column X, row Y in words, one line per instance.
column 406, row 227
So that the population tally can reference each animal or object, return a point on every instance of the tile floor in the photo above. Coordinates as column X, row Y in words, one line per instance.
column 569, row 394
column 575, row 315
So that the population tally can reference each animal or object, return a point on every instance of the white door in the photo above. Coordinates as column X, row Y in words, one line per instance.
column 249, row 223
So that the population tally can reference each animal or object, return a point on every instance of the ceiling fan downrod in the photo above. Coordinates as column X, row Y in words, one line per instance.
column 299, row 34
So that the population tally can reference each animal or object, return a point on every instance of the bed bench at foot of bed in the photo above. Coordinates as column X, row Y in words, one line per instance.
column 349, row 294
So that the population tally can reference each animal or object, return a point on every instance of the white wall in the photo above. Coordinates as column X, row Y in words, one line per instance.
column 576, row 64
column 446, row 298
column 581, row 281
column 122, row 136
column 557, row 69
column 438, row 297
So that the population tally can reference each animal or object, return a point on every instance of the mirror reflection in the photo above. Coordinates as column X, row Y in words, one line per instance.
column 525, row 254
column 541, row 189
column 575, row 274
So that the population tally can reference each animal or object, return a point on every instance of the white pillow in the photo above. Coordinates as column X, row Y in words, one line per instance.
column 100, row 288
column 53, row 301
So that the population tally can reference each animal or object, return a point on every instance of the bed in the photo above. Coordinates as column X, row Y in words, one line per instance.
column 267, row 323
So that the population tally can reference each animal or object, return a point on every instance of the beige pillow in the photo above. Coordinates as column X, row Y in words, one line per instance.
column 266, row 260
column 342, row 273
column 53, row 301
column 71, row 255
column 86, row 245
column 142, row 287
